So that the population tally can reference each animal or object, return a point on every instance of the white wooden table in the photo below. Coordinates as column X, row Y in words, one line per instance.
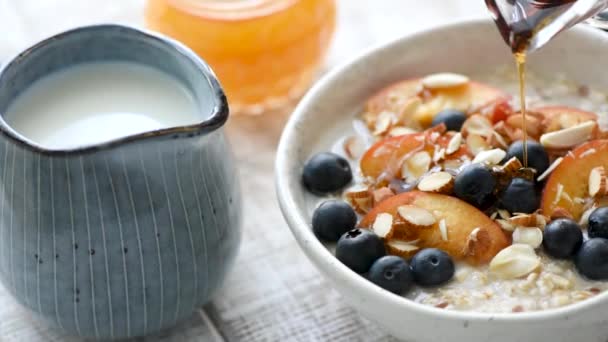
column 274, row 293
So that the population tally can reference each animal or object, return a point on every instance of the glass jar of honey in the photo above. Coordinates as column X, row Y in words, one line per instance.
column 265, row 52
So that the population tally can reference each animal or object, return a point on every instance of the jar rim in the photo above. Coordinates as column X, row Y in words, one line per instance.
column 232, row 9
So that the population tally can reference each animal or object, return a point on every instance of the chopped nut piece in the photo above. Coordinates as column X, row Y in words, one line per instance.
column 518, row 308
column 598, row 185
column 496, row 140
column 440, row 182
column 529, row 236
column 404, row 249
column 383, row 225
column 569, row 137
column 515, row 261
column 354, row 147
column 550, row 169
column 443, row 229
column 409, row 109
column 381, row 194
column 477, row 239
column 504, row 214
column 505, row 225
column 491, row 157
column 584, row 221
column 588, row 152
column 478, row 125
column 528, row 220
column 384, row 122
column 360, row 198
column 444, row 80
column 397, row 131
column 533, row 125
column 476, row 144
column 418, row 217
column 416, row 166
column 454, row 144
column 512, row 166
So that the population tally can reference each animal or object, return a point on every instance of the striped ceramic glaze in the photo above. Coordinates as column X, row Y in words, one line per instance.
column 125, row 238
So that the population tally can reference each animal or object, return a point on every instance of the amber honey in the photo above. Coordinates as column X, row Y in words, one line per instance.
column 265, row 52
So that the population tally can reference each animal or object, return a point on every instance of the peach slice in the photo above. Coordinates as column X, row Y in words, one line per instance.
column 560, row 117
column 568, row 184
column 463, row 97
column 385, row 158
column 470, row 235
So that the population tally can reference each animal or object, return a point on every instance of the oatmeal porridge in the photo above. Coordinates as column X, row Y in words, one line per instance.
column 447, row 210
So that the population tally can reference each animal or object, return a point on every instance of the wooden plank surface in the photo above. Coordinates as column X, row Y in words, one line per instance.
column 273, row 293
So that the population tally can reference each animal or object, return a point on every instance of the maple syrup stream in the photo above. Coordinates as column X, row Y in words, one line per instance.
column 520, row 60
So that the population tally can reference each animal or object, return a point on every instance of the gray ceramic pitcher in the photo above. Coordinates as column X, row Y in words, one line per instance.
column 127, row 237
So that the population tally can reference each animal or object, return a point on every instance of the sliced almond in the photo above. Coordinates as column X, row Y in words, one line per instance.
column 443, row 230
column 504, row 214
column 558, row 193
column 381, row 194
column 584, row 221
column 360, row 198
column 401, row 248
column 417, row 217
column 550, row 169
column 560, row 212
column 479, row 125
column 476, row 144
column 490, row 157
column 440, row 182
column 515, row 261
column 409, row 109
column 533, row 125
column 598, row 185
column 400, row 130
column 454, row 144
column 505, row 225
column 528, row 220
column 528, row 236
column 439, row 154
column 512, row 166
column 383, row 225
column 354, row 147
column 478, row 239
column 416, row 166
column 444, row 80
column 452, row 164
column 587, row 153
column 496, row 140
column 569, row 137
column 384, row 121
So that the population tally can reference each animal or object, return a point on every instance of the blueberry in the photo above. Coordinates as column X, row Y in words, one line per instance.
column 520, row 196
column 592, row 259
column 359, row 248
column 391, row 273
column 326, row 172
column 332, row 219
column 432, row 267
column 598, row 223
column 452, row 118
column 538, row 158
column 475, row 184
column 562, row 238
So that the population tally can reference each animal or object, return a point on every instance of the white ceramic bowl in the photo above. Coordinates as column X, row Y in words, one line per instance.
column 326, row 113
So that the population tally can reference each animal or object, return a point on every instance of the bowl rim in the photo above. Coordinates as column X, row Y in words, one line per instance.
column 325, row 260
